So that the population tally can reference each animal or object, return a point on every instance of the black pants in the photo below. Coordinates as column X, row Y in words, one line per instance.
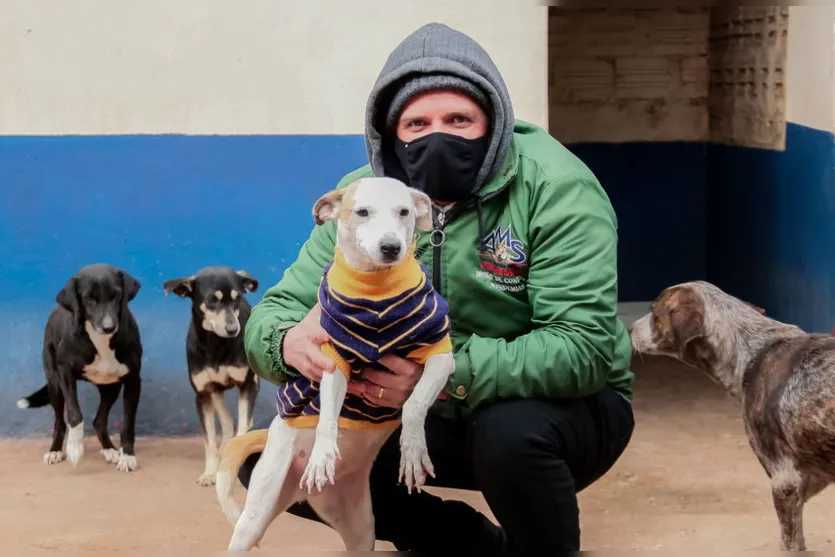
column 529, row 458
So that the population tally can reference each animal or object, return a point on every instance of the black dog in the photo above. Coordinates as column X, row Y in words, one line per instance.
column 215, row 353
column 92, row 336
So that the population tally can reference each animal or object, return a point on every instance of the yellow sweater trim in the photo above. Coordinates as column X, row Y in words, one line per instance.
column 341, row 364
column 344, row 423
column 423, row 353
column 375, row 285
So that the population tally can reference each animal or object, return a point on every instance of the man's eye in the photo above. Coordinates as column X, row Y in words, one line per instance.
column 362, row 212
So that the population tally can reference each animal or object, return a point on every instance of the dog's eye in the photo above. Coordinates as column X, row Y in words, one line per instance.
column 362, row 212
column 404, row 212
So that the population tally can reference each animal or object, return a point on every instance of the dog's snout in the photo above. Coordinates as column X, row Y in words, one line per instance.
column 390, row 250
column 108, row 325
column 232, row 329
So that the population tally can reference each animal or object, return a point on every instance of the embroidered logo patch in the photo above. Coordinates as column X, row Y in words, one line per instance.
column 504, row 260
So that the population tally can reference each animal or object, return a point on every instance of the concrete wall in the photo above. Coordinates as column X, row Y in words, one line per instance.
column 629, row 95
column 721, row 172
column 163, row 138
column 772, row 211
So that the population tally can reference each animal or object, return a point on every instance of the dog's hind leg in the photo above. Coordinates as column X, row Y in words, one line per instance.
column 246, row 403
column 346, row 507
column 108, row 395
column 788, row 488
column 206, row 411
column 272, row 487
column 59, row 430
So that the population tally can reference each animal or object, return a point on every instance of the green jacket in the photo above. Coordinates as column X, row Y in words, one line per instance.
column 533, row 308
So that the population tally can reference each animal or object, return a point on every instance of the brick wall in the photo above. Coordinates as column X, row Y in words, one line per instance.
column 668, row 74
column 629, row 74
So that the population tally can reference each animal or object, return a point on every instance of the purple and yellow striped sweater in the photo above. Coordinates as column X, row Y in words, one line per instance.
column 368, row 315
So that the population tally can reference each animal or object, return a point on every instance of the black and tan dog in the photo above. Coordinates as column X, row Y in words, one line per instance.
column 783, row 377
column 92, row 336
column 215, row 353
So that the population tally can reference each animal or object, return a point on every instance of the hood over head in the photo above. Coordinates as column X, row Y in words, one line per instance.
column 437, row 56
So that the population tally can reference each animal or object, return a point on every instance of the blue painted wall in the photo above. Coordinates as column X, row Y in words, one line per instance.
column 771, row 232
column 758, row 223
column 160, row 207
column 658, row 192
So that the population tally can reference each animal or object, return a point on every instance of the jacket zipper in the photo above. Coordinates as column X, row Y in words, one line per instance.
column 437, row 240
column 438, row 237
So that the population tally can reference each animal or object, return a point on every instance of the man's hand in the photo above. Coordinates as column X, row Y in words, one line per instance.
column 302, row 350
column 387, row 389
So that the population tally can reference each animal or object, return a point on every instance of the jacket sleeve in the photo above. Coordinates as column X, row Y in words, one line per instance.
column 285, row 304
column 572, row 289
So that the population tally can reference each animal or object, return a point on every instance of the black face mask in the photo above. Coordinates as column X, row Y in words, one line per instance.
column 442, row 165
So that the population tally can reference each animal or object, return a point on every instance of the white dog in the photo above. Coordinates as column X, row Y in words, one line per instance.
column 375, row 286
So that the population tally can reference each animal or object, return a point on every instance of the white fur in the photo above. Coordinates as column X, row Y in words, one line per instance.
column 23, row 403
column 321, row 466
column 105, row 368
column 126, row 463
column 53, row 457
column 110, row 455
column 277, row 480
column 360, row 237
column 414, row 456
column 75, row 443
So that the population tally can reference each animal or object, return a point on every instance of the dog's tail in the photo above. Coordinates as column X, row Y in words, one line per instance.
column 236, row 452
column 35, row 400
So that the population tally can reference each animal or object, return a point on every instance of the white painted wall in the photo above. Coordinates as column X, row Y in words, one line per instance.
column 220, row 67
column 810, row 84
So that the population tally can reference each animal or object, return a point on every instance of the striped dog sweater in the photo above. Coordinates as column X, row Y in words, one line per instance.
column 368, row 315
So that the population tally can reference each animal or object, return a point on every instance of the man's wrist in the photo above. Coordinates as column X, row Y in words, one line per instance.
column 279, row 335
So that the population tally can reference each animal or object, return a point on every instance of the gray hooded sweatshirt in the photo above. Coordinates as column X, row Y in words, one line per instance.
column 437, row 56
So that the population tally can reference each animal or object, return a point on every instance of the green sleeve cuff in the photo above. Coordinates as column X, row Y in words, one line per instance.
column 278, row 367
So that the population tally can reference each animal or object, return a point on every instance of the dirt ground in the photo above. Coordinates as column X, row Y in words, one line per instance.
column 688, row 482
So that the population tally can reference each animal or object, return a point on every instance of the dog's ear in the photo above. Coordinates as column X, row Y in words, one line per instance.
column 249, row 283
column 130, row 286
column 423, row 209
column 69, row 299
column 688, row 327
column 327, row 207
column 182, row 287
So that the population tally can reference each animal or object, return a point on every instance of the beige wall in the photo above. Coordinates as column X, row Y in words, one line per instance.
column 221, row 67
column 629, row 74
column 811, row 87
column 733, row 75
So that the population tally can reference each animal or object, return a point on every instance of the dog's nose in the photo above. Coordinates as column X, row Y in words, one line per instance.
column 108, row 329
column 232, row 330
column 390, row 251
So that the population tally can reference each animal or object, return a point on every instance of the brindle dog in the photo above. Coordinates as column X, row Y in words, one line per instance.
column 783, row 377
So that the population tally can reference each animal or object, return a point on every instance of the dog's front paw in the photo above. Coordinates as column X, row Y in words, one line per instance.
column 321, row 467
column 415, row 463
column 110, row 455
column 205, row 480
column 126, row 463
column 53, row 457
